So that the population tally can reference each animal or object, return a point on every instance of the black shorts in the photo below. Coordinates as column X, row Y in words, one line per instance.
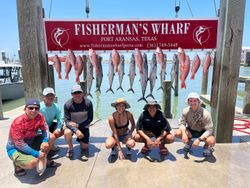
column 196, row 134
column 85, row 132
column 52, row 127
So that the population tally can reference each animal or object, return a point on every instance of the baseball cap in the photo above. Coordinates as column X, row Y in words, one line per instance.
column 76, row 88
column 33, row 102
column 48, row 90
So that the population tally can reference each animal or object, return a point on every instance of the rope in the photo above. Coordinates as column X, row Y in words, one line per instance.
column 189, row 8
column 50, row 7
column 215, row 9
column 242, row 127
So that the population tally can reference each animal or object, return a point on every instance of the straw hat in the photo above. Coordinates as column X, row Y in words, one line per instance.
column 120, row 100
column 152, row 103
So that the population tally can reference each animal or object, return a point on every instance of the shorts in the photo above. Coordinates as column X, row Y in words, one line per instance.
column 21, row 159
column 196, row 134
column 85, row 132
column 123, row 137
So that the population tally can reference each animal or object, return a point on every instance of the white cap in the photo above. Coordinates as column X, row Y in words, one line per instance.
column 193, row 95
column 76, row 88
column 48, row 90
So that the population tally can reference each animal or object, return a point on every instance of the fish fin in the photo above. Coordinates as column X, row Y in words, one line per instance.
column 142, row 98
column 131, row 90
column 150, row 95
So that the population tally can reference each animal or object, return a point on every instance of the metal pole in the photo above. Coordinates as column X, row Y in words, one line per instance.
column 167, row 98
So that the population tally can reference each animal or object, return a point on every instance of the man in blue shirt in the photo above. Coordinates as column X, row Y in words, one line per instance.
column 51, row 112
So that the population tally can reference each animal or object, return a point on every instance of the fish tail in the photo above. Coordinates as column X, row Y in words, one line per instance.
column 142, row 98
column 77, row 79
column 90, row 95
column 98, row 90
column 192, row 77
column 131, row 89
column 183, row 85
column 120, row 87
column 160, row 88
column 67, row 76
column 59, row 76
column 150, row 95
column 110, row 89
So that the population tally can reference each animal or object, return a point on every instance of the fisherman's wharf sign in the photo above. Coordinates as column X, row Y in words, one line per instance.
column 130, row 34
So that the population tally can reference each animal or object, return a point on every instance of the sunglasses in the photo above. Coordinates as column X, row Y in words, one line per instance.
column 32, row 108
column 77, row 92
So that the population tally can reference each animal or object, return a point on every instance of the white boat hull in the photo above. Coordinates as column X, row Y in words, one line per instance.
column 11, row 91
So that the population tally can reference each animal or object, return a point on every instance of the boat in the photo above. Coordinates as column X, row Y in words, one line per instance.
column 11, row 82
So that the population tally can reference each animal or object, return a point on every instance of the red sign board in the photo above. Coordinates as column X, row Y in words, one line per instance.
column 130, row 34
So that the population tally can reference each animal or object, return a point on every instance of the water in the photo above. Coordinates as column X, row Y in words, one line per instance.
column 101, row 102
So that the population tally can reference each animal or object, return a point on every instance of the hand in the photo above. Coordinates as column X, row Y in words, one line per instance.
column 42, row 155
column 157, row 142
column 149, row 143
column 184, row 139
column 73, row 124
column 196, row 143
column 57, row 133
column 44, row 146
column 120, row 154
column 79, row 134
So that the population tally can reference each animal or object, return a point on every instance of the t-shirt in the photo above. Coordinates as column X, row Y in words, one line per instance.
column 199, row 120
column 156, row 124
column 22, row 133
column 80, row 113
column 51, row 113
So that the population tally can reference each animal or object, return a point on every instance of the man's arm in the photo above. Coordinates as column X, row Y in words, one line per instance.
column 67, row 119
column 59, row 118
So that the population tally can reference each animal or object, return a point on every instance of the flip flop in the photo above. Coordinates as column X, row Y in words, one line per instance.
column 52, row 164
column 19, row 171
column 70, row 154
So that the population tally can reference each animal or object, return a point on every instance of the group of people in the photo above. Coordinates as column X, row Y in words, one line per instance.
column 33, row 134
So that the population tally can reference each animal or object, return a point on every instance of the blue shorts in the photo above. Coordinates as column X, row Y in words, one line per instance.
column 122, row 137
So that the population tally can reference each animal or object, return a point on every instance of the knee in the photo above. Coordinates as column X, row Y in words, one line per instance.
column 130, row 143
column 32, row 164
column 109, row 144
column 177, row 133
column 67, row 133
column 169, row 138
column 210, row 141
column 137, row 137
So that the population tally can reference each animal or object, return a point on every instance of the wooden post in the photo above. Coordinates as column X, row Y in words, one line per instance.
column 4, row 56
column 246, row 106
column 32, row 47
column 51, row 77
column 167, row 98
column 229, row 42
column 204, row 83
column 1, row 106
column 176, row 82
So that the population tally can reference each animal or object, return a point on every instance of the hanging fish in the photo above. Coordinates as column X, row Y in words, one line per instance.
column 89, row 77
column 207, row 62
column 68, row 67
column 57, row 65
column 115, row 59
column 185, row 68
column 121, row 72
column 159, row 55
column 131, row 72
column 144, row 77
column 78, row 67
column 100, row 76
column 138, row 60
column 72, row 58
column 111, row 74
column 195, row 66
column 163, row 71
column 94, row 60
column 152, row 75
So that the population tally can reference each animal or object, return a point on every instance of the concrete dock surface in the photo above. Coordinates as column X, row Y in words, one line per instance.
column 228, row 167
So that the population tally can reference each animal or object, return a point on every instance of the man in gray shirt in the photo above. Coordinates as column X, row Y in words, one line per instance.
column 78, row 114
column 196, row 122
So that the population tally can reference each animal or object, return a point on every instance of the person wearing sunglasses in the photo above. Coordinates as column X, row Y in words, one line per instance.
column 196, row 124
column 25, row 147
column 52, row 112
column 153, row 129
column 78, row 114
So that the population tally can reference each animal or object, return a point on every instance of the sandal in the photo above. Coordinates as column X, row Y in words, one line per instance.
column 19, row 171
column 70, row 154
column 52, row 164
column 163, row 150
column 145, row 150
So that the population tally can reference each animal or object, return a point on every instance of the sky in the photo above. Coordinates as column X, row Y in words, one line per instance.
column 112, row 9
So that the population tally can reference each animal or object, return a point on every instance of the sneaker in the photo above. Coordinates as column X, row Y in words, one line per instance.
column 207, row 151
column 113, row 152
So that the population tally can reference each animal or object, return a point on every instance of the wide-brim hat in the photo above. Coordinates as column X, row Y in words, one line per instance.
column 193, row 95
column 120, row 100
column 152, row 103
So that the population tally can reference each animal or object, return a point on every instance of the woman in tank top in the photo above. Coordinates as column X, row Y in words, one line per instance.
column 121, row 132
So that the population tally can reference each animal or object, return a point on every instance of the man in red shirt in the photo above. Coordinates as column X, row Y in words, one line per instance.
column 25, row 147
